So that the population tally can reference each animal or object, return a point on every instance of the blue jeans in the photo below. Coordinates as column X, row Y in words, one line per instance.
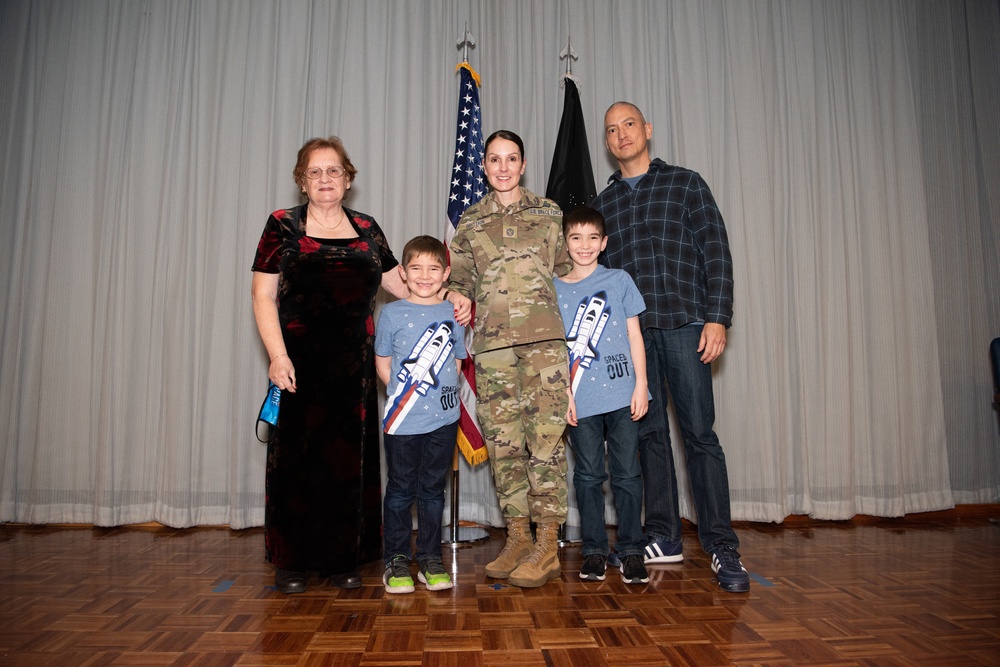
column 673, row 365
column 587, row 442
column 417, row 471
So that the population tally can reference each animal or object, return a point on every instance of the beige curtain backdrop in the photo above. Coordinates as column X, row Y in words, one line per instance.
column 852, row 146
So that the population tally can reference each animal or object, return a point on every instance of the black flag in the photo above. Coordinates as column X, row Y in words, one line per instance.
column 571, row 178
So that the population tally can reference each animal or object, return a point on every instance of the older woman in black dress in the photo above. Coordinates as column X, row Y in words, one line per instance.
column 317, row 271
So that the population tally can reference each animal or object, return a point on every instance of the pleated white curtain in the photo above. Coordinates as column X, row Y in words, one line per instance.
column 853, row 149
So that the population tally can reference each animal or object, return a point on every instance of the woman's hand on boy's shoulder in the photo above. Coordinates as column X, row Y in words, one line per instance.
column 463, row 307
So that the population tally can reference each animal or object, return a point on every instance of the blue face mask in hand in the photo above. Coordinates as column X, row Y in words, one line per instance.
column 269, row 411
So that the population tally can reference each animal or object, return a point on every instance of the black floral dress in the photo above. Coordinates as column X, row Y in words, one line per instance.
column 323, row 483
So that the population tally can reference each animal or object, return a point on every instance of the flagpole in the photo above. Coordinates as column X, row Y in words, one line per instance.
column 466, row 41
column 569, row 54
column 461, row 534
column 569, row 192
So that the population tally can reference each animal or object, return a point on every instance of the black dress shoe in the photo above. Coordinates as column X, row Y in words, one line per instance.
column 289, row 581
column 346, row 580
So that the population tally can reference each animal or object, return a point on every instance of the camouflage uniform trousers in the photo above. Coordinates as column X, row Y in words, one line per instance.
column 522, row 407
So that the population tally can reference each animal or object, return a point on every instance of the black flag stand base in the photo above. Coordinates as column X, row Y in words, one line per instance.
column 459, row 534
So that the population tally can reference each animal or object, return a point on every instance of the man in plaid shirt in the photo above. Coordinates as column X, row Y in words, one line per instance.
column 664, row 228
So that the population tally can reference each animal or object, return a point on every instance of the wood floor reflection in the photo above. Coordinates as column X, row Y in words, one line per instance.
column 923, row 590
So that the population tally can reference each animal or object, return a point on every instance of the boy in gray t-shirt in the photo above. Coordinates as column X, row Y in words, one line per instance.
column 609, row 394
column 418, row 346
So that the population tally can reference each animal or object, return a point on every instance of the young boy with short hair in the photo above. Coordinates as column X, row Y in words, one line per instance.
column 609, row 394
column 418, row 346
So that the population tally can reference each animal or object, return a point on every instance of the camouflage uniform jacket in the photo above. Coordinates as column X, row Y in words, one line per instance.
column 503, row 258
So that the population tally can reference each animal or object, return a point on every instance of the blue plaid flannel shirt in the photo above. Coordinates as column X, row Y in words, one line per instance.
column 668, row 234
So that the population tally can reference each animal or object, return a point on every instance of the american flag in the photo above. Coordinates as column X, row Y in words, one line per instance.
column 467, row 187
column 467, row 183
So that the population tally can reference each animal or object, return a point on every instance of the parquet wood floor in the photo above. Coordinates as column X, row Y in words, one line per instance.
column 922, row 590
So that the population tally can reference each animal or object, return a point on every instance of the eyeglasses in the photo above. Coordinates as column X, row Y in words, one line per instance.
column 312, row 173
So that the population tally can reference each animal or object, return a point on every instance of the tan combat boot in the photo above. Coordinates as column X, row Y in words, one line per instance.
column 543, row 563
column 515, row 550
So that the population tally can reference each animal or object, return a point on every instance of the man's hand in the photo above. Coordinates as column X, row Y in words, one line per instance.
column 712, row 343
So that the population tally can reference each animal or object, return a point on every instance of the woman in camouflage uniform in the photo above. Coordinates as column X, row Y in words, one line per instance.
column 504, row 254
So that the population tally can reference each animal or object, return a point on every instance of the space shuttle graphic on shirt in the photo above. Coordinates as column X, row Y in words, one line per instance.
column 427, row 357
column 419, row 372
column 583, row 337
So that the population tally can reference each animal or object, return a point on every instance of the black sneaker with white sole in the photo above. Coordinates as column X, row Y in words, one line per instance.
column 593, row 567
column 634, row 570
